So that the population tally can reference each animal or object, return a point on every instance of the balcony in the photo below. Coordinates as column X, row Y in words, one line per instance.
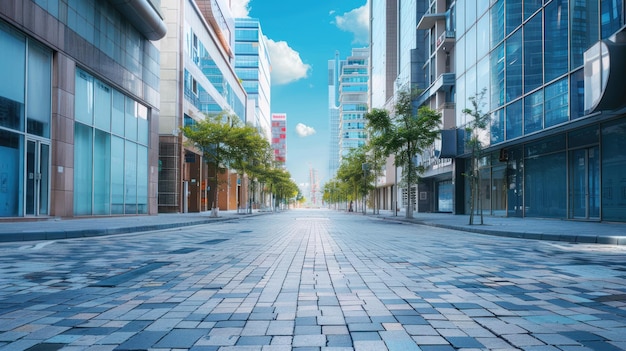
column 428, row 20
column 445, row 80
column 446, row 40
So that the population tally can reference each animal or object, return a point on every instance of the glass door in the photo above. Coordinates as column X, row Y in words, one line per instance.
column 37, row 178
column 585, row 183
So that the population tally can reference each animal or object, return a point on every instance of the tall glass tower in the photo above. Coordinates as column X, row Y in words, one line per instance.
column 353, row 99
column 253, row 67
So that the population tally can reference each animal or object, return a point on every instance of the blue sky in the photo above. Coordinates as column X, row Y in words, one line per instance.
column 302, row 36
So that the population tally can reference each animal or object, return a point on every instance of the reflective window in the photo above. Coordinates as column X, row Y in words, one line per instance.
column 556, row 43
column 83, row 169
column 497, row 126
column 556, row 108
column 39, row 91
column 497, row 77
column 497, row 22
column 461, row 101
column 11, row 173
column 530, row 7
column 460, row 16
column 544, row 197
column 577, row 94
column 613, row 192
column 514, row 66
column 513, row 15
column 611, row 17
column 533, row 112
column 533, row 54
column 585, row 29
column 482, row 37
column 470, row 48
column 514, row 120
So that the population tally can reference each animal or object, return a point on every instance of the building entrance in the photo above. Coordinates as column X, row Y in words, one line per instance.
column 584, row 183
column 37, row 178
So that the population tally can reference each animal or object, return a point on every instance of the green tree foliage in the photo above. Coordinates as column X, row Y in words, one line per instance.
column 405, row 133
column 473, row 130
column 227, row 143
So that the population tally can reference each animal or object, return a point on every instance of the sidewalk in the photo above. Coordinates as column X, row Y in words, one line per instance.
column 527, row 228
column 54, row 228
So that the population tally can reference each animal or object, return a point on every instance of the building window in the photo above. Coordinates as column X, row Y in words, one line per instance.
column 111, row 136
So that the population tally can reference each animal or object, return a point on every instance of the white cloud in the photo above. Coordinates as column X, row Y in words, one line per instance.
column 287, row 66
column 303, row 130
column 240, row 8
column 356, row 22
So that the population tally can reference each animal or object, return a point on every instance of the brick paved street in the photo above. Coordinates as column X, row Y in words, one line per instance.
column 311, row 280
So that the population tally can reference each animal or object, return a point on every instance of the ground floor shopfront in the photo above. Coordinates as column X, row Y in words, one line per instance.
column 74, row 141
column 577, row 174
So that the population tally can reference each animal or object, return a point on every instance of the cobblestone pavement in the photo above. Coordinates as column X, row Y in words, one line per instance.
column 311, row 280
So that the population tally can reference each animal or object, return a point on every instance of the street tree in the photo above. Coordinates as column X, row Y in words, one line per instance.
column 351, row 172
column 216, row 137
column 405, row 133
column 474, row 129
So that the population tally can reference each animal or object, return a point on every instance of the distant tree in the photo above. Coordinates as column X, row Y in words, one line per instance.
column 218, row 138
column 405, row 133
column 476, row 125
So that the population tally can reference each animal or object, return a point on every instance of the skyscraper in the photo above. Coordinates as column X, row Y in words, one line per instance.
column 279, row 138
column 353, row 99
column 334, row 67
column 253, row 67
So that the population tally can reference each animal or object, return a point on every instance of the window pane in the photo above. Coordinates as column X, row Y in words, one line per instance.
column 533, row 112
column 585, row 29
column 83, row 169
column 514, row 66
column 143, row 127
column 461, row 102
column 117, row 175
column 513, row 15
column 497, row 22
column 470, row 48
column 130, row 177
column 117, row 113
column 497, row 126
column 611, row 17
column 556, row 43
column 514, row 120
column 556, row 103
column 11, row 174
column 613, row 192
column 497, row 77
column 530, row 7
column 102, row 106
column 12, row 71
column 533, row 54
column 543, row 197
column 83, row 110
column 102, row 173
column 577, row 94
column 39, row 91
column 482, row 37
column 142, row 179
column 131, row 119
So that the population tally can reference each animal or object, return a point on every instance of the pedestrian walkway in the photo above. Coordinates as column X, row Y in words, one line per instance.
column 528, row 228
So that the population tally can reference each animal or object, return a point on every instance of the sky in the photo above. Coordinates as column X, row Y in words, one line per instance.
column 302, row 35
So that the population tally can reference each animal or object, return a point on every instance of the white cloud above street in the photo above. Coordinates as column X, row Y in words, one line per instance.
column 240, row 8
column 357, row 22
column 287, row 66
column 303, row 130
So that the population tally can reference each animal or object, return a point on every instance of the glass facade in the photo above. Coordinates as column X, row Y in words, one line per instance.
column 110, row 150
column 25, row 118
column 535, row 82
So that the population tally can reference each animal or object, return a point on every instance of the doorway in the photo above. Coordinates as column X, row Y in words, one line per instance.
column 37, row 178
column 584, row 182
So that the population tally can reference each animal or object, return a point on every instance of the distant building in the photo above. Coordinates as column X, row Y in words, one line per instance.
column 353, row 99
column 198, row 79
column 334, row 69
column 382, row 85
column 253, row 67
column 79, row 107
column 279, row 138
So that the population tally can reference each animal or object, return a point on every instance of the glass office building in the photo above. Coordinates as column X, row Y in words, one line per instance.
column 353, row 100
column 198, row 79
column 548, row 155
column 79, row 107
